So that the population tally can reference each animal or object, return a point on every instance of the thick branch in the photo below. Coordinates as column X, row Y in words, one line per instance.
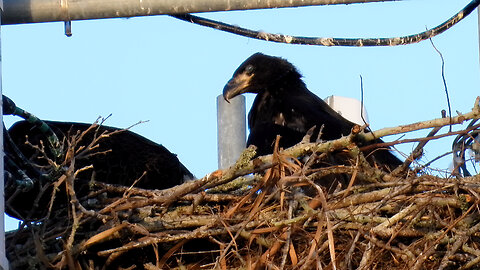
column 439, row 122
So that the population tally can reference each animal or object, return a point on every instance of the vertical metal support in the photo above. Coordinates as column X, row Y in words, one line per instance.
column 231, row 131
column 3, row 258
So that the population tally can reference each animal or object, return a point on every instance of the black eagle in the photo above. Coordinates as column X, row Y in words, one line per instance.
column 284, row 106
column 120, row 158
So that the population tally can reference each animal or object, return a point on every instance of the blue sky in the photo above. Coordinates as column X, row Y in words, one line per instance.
column 169, row 72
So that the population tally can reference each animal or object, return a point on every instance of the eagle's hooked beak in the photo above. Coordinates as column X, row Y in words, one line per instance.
column 237, row 85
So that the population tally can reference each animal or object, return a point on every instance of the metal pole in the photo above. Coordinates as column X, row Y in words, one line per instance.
column 231, row 133
column 34, row 11
column 3, row 258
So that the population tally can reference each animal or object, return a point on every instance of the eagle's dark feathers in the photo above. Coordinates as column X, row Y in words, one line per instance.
column 284, row 106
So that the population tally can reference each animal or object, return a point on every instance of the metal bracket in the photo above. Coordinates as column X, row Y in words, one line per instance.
column 66, row 16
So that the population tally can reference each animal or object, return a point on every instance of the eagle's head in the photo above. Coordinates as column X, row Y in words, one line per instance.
column 258, row 73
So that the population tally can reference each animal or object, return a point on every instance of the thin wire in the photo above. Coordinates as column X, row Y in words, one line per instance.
column 444, row 84
column 361, row 100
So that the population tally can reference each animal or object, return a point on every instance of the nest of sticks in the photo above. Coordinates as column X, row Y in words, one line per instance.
column 272, row 212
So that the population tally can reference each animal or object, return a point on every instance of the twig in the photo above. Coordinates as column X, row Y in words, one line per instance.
column 418, row 151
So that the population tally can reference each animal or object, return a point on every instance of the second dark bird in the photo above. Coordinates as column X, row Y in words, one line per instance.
column 120, row 159
column 284, row 106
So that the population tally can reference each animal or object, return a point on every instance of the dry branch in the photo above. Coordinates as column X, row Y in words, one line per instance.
column 286, row 216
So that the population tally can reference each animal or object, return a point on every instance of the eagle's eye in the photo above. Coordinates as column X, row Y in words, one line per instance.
column 249, row 70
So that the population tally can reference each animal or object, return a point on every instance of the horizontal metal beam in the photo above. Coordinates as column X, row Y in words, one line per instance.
column 35, row 11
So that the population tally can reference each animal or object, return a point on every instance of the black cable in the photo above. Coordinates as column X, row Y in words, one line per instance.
column 9, row 108
column 356, row 42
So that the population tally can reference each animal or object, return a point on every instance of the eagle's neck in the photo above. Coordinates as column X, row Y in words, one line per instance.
column 269, row 104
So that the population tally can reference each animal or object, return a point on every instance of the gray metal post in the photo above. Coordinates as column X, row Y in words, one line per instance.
column 33, row 11
column 231, row 135
column 3, row 257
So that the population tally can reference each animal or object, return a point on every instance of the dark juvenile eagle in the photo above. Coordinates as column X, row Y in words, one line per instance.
column 284, row 106
column 121, row 159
